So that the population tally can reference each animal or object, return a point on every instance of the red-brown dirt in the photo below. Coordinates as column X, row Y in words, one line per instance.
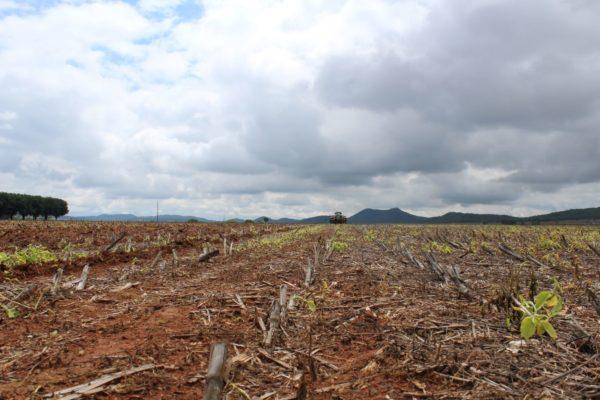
column 381, row 326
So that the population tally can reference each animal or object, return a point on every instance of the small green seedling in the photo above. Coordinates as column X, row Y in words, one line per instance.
column 10, row 312
column 309, row 303
column 537, row 314
column 339, row 246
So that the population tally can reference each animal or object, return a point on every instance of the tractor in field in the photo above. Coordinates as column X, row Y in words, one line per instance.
column 338, row 218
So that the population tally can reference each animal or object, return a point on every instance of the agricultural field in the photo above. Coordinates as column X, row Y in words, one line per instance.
column 301, row 311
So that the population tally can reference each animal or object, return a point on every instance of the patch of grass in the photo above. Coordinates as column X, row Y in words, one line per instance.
column 339, row 246
column 548, row 243
column 279, row 240
column 30, row 255
column 438, row 247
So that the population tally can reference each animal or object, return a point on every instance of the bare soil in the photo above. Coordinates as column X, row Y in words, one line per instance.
column 381, row 327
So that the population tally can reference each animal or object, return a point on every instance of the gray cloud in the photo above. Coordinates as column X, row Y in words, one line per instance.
column 295, row 109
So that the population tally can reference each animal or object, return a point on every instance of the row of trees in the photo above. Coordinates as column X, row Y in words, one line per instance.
column 34, row 206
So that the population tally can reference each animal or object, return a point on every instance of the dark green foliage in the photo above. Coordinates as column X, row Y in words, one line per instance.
column 34, row 206
column 391, row 216
column 568, row 215
column 468, row 218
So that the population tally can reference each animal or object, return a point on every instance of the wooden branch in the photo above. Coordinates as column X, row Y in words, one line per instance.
column 414, row 260
column 564, row 242
column 56, row 282
column 115, row 242
column 283, row 302
column 155, row 260
column 162, row 266
column 274, row 320
column 461, row 285
column 84, row 277
column 269, row 357
column 309, row 273
column 436, row 269
column 593, row 299
column 594, row 249
column 239, row 301
column 262, row 326
column 382, row 245
column 175, row 259
column 96, row 385
column 536, row 261
column 505, row 249
column 25, row 292
column 207, row 256
column 216, row 375
column 129, row 246
column 329, row 250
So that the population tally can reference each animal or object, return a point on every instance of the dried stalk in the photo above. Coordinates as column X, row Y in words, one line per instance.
column 274, row 320
column 56, row 282
column 207, row 256
column 309, row 273
column 84, row 277
column 216, row 375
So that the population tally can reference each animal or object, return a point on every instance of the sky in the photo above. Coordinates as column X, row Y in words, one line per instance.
column 296, row 108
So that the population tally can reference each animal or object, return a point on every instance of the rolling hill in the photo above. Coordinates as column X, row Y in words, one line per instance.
column 391, row 216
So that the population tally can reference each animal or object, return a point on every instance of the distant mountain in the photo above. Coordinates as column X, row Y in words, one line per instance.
column 583, row 214
column 568, row 215
column 320, row 219
column 468, row 218
column 373, row 216
column 283, row 221
column 391, row 216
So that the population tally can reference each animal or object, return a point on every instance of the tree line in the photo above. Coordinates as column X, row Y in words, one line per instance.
column 26, row 205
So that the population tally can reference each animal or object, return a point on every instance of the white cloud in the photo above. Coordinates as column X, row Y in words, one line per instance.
column 298, row 107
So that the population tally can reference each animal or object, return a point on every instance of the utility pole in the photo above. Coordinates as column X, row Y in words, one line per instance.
column 156, row 210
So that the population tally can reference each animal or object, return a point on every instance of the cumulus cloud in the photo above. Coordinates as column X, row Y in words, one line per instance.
column 292, row 108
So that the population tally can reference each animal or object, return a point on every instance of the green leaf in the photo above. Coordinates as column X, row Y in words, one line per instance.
column 549, row 329
column 312, row 306
column 541, row 298
column 552, row 301
column 527, row 327
column 557, row 307
column 539, row 327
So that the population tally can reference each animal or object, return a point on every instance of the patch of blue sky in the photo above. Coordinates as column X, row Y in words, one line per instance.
column 186, row 10
column 27, row 7
column 114, row 57
column 17, row 8
column 75, row 64
column 189, row 10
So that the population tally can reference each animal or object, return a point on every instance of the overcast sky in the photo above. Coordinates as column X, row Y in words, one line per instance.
column 295, row 108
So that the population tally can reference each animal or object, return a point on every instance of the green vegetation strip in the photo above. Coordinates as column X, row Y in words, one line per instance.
column 29, row 255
